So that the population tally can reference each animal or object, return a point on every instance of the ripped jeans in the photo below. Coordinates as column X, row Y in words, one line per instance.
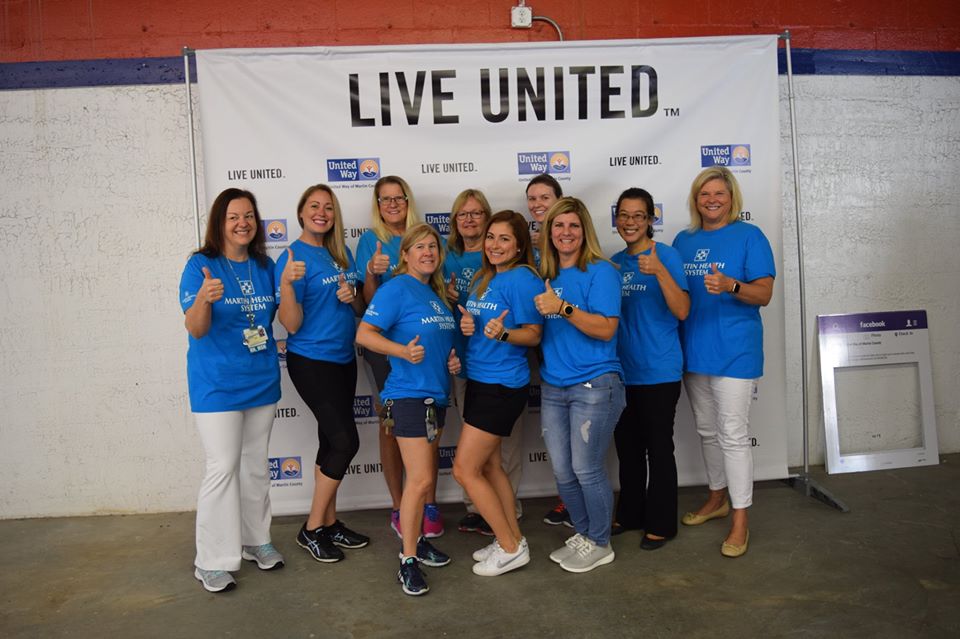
column 577, row 425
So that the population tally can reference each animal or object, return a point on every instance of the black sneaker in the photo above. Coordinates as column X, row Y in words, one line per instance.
column 342, row 536
column 318, row 544
column 471, row 522
column 428, row 555
column 557, row 516
column 411, row 579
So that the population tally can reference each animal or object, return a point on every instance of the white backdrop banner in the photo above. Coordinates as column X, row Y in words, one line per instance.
column 599, row 116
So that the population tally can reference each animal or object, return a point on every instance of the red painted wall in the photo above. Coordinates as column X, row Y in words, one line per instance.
column 32, row 30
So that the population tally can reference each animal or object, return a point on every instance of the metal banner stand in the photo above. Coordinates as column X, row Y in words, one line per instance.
column 803, row 481
column 187, row 52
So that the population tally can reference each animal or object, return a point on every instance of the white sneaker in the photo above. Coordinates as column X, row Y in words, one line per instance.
column 215, row 580
column 486, row 551
column 501, row 561
column 568, row 549
column 588, row 556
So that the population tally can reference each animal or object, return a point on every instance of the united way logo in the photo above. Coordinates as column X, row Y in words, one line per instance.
column 440, row 222
column 284, row 468
column 701, row 255
column 353, row 170
column 657, row 214
column 282, row 350
column 731, row 155
column 537, row 162
column 436, row 307
column 275, row 230
column 246, row 287
column 363, row 406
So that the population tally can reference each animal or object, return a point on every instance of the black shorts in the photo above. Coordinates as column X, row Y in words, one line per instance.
column 493, row 408
column 410, row 417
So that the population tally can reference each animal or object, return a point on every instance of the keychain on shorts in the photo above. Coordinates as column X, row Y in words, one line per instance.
column 388, row 417
column 430, row 420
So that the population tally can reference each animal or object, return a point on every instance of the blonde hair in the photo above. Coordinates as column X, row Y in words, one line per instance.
column 590, row 251
column 704, row 176
column 454, row 241
column 413, row 235
column 332, row 240
column 379, row 228
column 524, row 257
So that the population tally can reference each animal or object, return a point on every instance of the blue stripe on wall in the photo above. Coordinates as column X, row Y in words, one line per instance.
column 126, row 71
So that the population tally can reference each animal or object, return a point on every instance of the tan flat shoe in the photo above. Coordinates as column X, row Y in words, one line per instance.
column 693, row 519
column 733, row 550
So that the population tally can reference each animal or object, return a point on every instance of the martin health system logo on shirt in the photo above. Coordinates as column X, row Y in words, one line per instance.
column 729, row 155
column 537, row 162
column 353, row 170
column 443, row 318
column 627, row 286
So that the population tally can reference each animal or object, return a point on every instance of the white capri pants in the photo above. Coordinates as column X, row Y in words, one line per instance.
column 721, row 409
column 233, row 507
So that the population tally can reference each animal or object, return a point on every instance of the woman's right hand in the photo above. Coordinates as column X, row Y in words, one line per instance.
column 292, row 270
column 413, row 352
column 212, row 288
column 380, row 262
column 467, row 326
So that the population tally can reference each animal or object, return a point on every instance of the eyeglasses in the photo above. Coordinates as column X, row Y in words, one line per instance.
column 627, row 218
column 396, row 199
column 473, row 215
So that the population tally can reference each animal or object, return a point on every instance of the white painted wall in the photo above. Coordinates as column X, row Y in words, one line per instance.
column 96, row 221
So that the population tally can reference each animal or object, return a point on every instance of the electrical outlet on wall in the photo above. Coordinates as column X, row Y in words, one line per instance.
column 521, row 17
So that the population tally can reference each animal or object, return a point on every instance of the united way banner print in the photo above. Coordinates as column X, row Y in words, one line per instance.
column 598, row 116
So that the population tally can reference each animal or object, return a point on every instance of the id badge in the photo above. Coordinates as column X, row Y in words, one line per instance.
column 255, row 339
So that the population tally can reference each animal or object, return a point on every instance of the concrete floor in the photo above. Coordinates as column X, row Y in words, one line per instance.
column 888, row 568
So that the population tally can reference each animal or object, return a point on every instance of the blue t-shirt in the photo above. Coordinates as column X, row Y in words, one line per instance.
column 328, row 328
column 403, row 308
column 222, row 373
column 464, row 265
column 647, row 338
column 490, row 361
column 367, row 246
column 723, row 336
column 569, row 356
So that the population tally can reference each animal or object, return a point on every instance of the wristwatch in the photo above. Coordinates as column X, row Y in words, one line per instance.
column 736, row 288
column 566, row 309
column 502, row 337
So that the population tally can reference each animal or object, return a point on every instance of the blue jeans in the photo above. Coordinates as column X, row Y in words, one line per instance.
column 577, row 425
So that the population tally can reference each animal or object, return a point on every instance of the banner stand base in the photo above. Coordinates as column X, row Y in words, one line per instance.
column 808, row 486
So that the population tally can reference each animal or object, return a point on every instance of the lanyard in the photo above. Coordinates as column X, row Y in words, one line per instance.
column 248, row 298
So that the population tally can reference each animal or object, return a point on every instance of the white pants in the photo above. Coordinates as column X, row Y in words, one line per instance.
column 511, row 448
column 721, row 409
column 233, row 507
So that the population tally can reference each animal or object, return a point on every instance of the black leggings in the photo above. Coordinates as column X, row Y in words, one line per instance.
column 328, row 389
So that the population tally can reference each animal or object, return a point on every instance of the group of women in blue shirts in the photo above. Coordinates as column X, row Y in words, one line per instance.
column 612, row 339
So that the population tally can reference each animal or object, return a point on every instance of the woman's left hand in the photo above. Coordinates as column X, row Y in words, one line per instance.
column 716, row 282
column 453, row 362
column 345, row 292
column 547, row 302
column 494, row 327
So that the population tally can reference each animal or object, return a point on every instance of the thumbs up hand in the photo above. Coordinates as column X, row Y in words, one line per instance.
column 650, row 264
column 452, row 293
column 346, row 293
column 547, row 302
column 453, row 362
column 467, row 326
column 494, row 327
column 380, row 262
column 212, row 288
column 716, row 282
column 292, row 270
column 413, row 352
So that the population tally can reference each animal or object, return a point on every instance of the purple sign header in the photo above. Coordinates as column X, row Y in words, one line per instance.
column 872, row 322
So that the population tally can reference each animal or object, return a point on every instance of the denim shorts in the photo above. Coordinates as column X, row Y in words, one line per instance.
column 410, row 417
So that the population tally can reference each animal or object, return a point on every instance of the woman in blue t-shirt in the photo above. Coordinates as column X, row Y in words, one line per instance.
column 582, row 393
column 654, row 299
column 316, row 288
column 409, row 320
column 394, row 211
column 498, row 378
column 226, row 293
column 730, row 271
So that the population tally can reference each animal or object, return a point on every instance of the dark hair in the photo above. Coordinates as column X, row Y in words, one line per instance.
column 634, row 193
column 524, row 257
column 213, row 241
column 549, row 180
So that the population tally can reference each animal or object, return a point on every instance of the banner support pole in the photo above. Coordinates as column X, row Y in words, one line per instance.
column 187, row 53
column 803, row 482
